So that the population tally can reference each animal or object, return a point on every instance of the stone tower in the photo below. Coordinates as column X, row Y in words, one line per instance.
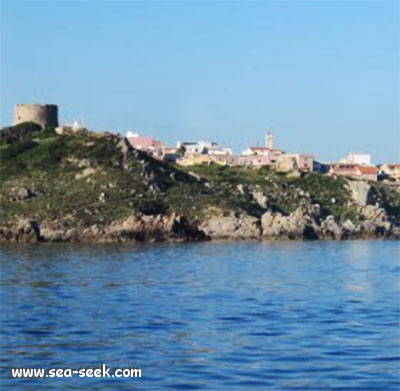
column 44, row 115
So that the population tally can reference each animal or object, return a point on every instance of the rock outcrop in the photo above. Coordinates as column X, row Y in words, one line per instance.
column 135, row 228
column 361, row 192
column 25, row 231
column 154, row 228
column 330, row 229
column 377, row 222
column 306, row 223
column 301, row 224
column 232, row 227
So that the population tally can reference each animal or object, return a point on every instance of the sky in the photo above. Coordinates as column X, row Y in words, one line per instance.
column 324, row 76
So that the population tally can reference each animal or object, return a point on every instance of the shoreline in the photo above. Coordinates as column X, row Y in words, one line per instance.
column 29, row 236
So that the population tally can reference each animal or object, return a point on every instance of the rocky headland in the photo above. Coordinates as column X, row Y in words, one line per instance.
column 94, row 187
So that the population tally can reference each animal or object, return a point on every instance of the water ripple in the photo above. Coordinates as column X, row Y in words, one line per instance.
column 259, row 316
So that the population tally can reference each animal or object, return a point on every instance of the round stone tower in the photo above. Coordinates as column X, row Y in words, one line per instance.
column 44, row 115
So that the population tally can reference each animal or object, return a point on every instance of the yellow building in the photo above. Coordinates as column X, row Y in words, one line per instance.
column 195, row 159
column 295, row 161
column 392, row 170
column 192, row 160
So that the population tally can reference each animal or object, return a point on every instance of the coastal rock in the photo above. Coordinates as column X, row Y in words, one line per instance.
column 94, row 233
column 183, row 228
column 55, row 231
column 361, row 192
column 350, row 230
column 300, row 224
column 377, row 223
column 374, row 213
column 71, row 235
column 26, row 230
column 349, row 226
column 330, row 229
column 6, row 234
column 135, row 228
column 154, row 228
column 232, row 227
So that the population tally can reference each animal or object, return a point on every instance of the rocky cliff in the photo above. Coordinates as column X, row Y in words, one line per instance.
column 96, row 188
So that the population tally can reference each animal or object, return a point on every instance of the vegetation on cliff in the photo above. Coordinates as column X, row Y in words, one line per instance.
column 89, row 179
column 86, row 179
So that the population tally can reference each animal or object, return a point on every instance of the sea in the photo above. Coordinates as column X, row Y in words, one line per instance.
column 282, row 315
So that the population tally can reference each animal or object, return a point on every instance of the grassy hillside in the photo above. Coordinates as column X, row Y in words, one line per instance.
column 55, row 169
column 90, row 178
column 284, row 194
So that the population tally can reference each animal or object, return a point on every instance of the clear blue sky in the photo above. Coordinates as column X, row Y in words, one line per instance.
column 324, row 76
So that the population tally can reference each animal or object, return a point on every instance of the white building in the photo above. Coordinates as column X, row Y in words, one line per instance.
column 130, row 134
column 363, row 159
column 220, row 151
column 203, row 147
column 268, row 151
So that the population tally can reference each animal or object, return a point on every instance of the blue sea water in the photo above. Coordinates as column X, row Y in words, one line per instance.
column 215, row 316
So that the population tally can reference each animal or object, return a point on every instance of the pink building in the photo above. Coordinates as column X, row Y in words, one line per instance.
column 255, row 161
column 305, row 162
column 259, row 156
column 145, row 143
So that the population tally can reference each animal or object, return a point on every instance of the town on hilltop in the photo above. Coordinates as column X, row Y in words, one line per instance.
column 189, row 153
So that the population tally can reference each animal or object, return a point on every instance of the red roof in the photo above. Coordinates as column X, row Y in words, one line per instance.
column 144, row 142
column 367, row 169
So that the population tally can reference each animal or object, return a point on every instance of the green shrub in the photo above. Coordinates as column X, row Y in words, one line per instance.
column 14, row 150
column 17, row 133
